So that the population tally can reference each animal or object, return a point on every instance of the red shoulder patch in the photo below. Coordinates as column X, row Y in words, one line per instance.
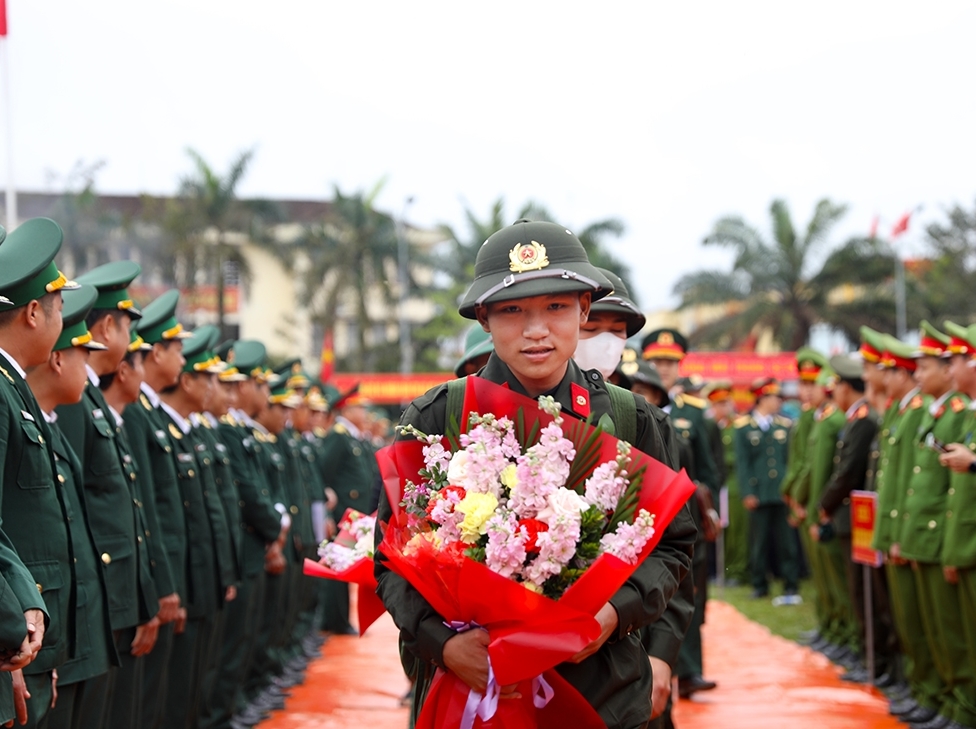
column 957, row 405
column 581, row 399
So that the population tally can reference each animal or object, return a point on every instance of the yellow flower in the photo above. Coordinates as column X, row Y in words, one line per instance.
column 508, row 477
column 532, row 587
column 477, row 509
column 417, row 541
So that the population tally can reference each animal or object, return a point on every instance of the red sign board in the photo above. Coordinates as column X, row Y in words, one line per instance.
column 864, row 504
column 741, row 367
column 389, row 388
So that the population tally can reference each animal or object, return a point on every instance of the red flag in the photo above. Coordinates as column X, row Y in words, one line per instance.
column 3, row 18
column 874, row 227
column 901, row 226
column 328, row 353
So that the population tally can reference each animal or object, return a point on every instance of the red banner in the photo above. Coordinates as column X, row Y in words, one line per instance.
column 863, row 506
column 740, row 367
column 389, row 388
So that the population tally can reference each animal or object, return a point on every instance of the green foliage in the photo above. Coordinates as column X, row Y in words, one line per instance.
column 789, row 621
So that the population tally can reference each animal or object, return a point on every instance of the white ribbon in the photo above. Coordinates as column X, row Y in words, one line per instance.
column 540, row 684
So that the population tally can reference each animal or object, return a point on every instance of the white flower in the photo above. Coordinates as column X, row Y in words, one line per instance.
column 457, row 470
column 563, row 502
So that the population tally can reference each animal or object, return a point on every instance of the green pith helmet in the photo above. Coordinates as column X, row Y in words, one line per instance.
column 158, row 323
column 198, row 356
column 477, row 342
column 74, row 331
column 27, row 268
column 112, row 281
column 619, row 302
column 531, row 259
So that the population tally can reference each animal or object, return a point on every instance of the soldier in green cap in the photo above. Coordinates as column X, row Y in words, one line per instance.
column 35, row 547
column 959, row 542
column 532, row 291
column 145, row 426
column 872, row 349
column 210, row 573
column 920, row 538
column 83, row 681
column 112, row 510
column 477, row 347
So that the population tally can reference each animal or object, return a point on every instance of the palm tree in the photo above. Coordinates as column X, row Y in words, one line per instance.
column 775, row 283
column 206, row 210
column 350, row 258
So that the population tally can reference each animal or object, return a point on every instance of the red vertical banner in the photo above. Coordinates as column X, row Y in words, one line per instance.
column 328, row 353
column 3, row 18
column 864, row 504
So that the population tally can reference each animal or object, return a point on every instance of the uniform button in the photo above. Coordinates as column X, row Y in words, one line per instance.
column 60, row 478
column 875, row 454
column 891, row 440
column 836, row 459
column 148, row 534
column 139, row 539
column 186, row 504
column 917, row 469
column 152, row 562
column 771, row 462
column 353, row 494
column 240, row 504
column 293, row 509
column 932, row 524
column 264, row 491
column 952, row 492
column 894, row 513
column 910, row 492
column 132, row 477
column 40, row 587
column 190, row 473
column 847, row 501
column 948, row 515
column 770, row 451
column 772, row 474
column 206, row 461
column 880, row 474
column 168, row 449
column 106, row 558
column 206, row 493
column 40, row 439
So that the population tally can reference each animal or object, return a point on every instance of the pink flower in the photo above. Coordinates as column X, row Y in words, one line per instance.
column 507, row 541
column 627, row 540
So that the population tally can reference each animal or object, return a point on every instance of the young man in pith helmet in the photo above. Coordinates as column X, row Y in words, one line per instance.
column 612, row 320
column 665, row 348
column 532, row 291
column 477, row 347
column 113, row 511
column 35, row 545
column 959, row 544
column 84, row 680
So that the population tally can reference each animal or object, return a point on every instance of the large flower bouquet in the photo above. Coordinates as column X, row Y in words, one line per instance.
column 349, row 558
column 524, row 523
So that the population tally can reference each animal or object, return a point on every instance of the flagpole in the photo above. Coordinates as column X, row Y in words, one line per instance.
column 11, row 198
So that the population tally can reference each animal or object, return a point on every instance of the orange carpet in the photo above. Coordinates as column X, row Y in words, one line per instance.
column 764, row 681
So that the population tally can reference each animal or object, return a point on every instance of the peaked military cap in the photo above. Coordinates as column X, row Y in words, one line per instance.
column 897, row 354
column 112, row 281
column 293, row 375
column 871, row 345
column 691, row 384
column 847, row 367
column 665, row 344
column 766, row 386
column 809, row 362
column 199, row 358
column 620, row 302
column 933, row 342
column 718, row 390
column 531, row 258
column 74, row 331
column 249, row 356
column 477, row 342
column 137, row 343
column 159, row 322
column 960, row 339
column 283, row 395
column 27, row 267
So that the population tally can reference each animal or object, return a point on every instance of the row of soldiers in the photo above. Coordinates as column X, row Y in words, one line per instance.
column 158, row 501
column 898, row 420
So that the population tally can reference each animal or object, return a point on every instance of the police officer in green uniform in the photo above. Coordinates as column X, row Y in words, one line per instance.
column 37, row 534
column 108, row 492
column 349, row 468
column 525, row 274
column 761, row 445
column 920, row 538
column 210, row 575
column 665, row 348
column 959, row 542
column 83, row 681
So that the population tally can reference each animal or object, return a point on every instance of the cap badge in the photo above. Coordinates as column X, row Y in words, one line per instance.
column 629, row 355
column 527, row 258
column 665, row 338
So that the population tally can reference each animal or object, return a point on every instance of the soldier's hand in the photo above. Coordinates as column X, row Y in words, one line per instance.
column 231, row 594
column 179, row 625
column 330, row 529
column 814, row 532
column 957, row 457
column 751, row 502
column 35, row 629
column 609, row 622
column 169, row 606
column 21, row 694
column 466, row 656
column 145, row 637
column 951, row 575
column 54, row 688
column 660, row 686
column 331, row 499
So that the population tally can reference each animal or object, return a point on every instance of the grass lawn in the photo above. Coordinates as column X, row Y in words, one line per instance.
column 788, row 621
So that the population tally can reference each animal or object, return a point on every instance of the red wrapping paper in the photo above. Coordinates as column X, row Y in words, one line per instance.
column 369, row 606
column 529, row 634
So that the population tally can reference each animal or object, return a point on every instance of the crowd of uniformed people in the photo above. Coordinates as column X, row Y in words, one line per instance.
column 160, row 491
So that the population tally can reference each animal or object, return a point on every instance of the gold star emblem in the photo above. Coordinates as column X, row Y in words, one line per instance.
column 527, row 258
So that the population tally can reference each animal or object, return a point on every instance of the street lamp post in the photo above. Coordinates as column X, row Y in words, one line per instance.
column 403, row 273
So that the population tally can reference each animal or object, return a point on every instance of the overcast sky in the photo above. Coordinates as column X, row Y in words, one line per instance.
column 665, row 115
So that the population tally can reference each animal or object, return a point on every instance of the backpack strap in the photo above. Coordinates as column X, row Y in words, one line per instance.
column 624, row 413
column 455, row 406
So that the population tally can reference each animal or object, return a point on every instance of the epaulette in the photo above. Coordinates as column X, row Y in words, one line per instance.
column 861, row 412
column 682, row 423
column 742, row 421
column 319, row 431
column 805, row 406
column 259, row 436
column 783, row 421
column 828, row 410
column 144, row 401
column 205, row 422
column 695, row 402
column 7, row 375
column 916, row 402
column 957, row 404
column 228, row 419
column 340, row 429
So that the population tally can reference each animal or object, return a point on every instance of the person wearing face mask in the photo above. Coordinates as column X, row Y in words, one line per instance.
column 603, row 337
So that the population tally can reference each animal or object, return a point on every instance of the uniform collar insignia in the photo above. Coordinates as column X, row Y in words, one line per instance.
column 581, row 399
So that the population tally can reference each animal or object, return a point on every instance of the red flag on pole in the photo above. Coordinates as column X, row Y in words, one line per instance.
column 3, row 18
column 328, row 353
column 901, row 226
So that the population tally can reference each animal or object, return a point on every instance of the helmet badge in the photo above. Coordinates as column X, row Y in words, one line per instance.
column 527, row 258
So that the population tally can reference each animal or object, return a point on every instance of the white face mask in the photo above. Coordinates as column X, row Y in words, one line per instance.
column 601, row 352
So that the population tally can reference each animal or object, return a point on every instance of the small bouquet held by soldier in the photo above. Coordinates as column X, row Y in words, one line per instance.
column 524, row 524
column 348, row 557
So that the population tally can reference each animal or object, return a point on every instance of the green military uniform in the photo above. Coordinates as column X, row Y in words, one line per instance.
column 760, row 458
column 36, row 554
